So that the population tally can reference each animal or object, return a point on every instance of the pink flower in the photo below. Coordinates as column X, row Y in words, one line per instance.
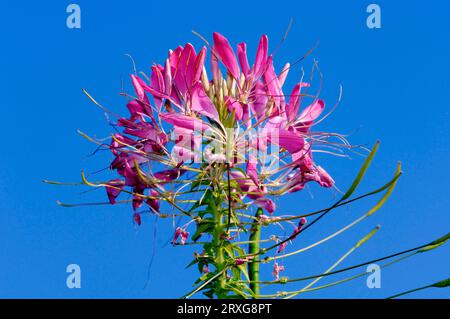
column 276, row 270
column 179, row 98
column 267, row 204
column 182, row 234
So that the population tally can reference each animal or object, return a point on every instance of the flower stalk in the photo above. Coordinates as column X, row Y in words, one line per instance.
column 218, row 239
column 253, row 266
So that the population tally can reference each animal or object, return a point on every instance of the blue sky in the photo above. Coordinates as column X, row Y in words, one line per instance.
column 395, row 88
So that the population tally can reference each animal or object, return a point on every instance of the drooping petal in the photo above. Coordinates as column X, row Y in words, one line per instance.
column 136, row 109
column 137, row 199
column 312, row 112
column 289, row 140
column 142, row 130
column 201, row 103
column 153, row 202
column 240, row 178
column 169, row 174
column 137, row 219
column 236, row 106
column 223, row 48
column 184, row 121
column 325, row 180
column 251, row 169
column 116, row 187
column 186, row 146
column 267, row 204
column 259, row 101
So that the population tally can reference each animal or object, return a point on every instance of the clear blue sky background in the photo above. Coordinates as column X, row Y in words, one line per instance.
column 396, row 89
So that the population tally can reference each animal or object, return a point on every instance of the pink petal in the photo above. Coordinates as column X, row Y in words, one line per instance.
column 167, row 78
column 242, row 56
column 273, row 85
column 267, row 204
column 215, row 71
column 261, row 57
column 312, row 112
column 259, row 102
column 152, row 202
column 226, row 54
column 169, row 174
column 289, row 140
column 184, row 121
column 185, row 71
column 283, row 75
column 136, row 109
column 137, row 219
column 186, row 142
column 113, row 192
column 157, row 83
column 138, row 87
column 295, row 100
column 174, row 58
column 251, row 170
column 199, row 63
column 236, row 106
column 201, row 103
column 325, row 179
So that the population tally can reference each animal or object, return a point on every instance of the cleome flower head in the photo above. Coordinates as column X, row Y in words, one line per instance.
column 184, row 120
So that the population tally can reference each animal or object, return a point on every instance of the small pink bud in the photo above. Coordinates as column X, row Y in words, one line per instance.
column 137, row 219
column 281, row 247
column 240, row 261
column 183, row 234
column 302, row 221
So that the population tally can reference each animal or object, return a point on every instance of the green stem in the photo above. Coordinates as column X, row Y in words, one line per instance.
column 219, row 251
column 409, row 291
column 253, row 266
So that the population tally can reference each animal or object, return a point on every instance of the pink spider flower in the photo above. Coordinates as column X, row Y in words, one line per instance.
column 277, row 269
column 182, row 234
column 179, row 104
